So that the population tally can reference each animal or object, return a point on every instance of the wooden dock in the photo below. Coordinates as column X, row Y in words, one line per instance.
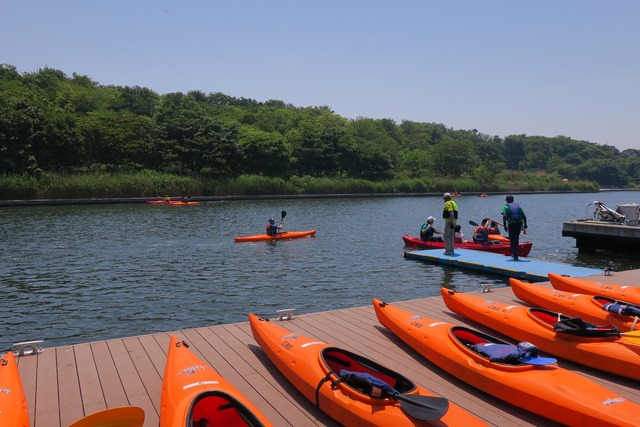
column 66, row 383
column 591, row 235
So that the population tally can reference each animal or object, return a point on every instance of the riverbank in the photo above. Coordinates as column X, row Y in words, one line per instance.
column 127, row 200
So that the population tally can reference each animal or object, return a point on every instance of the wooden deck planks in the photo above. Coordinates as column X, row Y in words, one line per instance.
column 65, row 383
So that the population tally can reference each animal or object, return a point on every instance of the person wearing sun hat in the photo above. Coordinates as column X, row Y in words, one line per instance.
column 450, row 215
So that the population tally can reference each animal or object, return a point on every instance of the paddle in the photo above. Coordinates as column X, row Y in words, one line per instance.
column 284, row 213
column 426, row 408
column 535, row 360
column 125, row 416
column 633, row 336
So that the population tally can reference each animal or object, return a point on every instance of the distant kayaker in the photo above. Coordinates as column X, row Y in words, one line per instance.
column 272, row 227
column 167, row 199
column 514, row 220
column 450, row 215
column 481, row 232
column 427, row 231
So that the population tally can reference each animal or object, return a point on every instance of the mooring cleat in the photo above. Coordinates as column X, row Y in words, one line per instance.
column 485, row 288
column 27, row 348
column 286, row 314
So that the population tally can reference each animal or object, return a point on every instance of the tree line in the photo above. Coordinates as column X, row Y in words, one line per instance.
column 68, row 125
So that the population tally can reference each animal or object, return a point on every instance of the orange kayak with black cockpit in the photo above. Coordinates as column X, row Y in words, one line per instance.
column 192, row 391
column 324, row 374
column 533, row 383
column 13, row 403
column 597, row 346
column 630, row 294
column 285, row 235
column 592, row 308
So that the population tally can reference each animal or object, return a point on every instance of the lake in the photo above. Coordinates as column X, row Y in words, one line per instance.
column 81, row 273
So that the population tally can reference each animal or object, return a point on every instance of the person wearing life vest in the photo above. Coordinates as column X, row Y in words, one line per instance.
column 514, row 220
column 481, row 232
column 272, row 227
column 427, row 231
column 450, row 215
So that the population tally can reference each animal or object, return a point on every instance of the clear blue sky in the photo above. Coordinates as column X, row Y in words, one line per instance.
column 548, row 67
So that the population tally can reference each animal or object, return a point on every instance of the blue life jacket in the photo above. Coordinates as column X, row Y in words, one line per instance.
column 515, row 213
column 371, row 385
column 622, row 309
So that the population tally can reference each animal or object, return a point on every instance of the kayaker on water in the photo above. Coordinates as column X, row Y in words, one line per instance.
column 450, row 215
column 427, row 231
column 272, row 227
column 514, row 220
column 481, row 232
column 493, row 228
column 458, row 236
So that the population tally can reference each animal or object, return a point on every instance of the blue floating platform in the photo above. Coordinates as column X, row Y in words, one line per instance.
column 530, row 269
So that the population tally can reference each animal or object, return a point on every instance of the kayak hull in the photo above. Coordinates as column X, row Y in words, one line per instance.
column 630, row 294
column 13, row 403
column 610, row 353
column 170, row 203
column 192, row 390
column 497, row 247
column 305, row 362
column 286, row 235
column 547, row 390
column 588, row 307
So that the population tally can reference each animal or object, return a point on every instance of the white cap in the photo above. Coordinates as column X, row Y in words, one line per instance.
column 447, row 195
column 431, row 219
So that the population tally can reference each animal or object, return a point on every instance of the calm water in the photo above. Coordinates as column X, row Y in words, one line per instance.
column 72, row 274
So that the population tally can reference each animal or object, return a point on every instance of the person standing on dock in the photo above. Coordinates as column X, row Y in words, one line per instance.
column 450, row 215
column 513, row 219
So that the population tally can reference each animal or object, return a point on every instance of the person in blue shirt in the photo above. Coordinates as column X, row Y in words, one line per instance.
column 272, row 227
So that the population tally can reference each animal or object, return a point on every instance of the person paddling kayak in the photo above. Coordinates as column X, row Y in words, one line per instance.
column 272, row 227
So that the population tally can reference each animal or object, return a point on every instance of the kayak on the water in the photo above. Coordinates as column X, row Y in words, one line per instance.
column 285, row 235
column 495, row 246
column 192, row 391
column 571, row 338
column 629, row 294
column 353, row 390
column 592, row 308
column 170, row 202
column 545, row 389
column 13, row 403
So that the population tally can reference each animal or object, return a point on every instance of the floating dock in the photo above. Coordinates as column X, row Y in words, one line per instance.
column 591, row 235
column 524, row 268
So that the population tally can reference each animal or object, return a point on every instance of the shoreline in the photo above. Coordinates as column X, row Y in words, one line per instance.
column 124, row 200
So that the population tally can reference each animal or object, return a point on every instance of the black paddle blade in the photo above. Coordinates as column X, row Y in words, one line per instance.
column 284, row 213
column 426, row 408
column 475, row 224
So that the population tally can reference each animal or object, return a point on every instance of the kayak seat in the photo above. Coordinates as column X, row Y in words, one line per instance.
column 492, row 348
column 338, row 359
column 577, row 326
column 219, row 409
column 547, row 316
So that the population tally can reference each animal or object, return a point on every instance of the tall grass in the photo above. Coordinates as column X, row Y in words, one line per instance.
column 155, row 184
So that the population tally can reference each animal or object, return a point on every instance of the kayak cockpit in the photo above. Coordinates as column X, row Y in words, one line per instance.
column 336, row 360
column 216, row 408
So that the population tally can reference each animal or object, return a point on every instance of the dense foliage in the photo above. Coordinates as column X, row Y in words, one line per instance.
column 55, row 125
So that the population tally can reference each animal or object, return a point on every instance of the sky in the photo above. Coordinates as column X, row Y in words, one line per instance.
column 502, row 67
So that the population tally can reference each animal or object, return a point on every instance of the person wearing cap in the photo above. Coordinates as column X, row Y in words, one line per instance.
column 427, row 231
column 450, row 215
column 513, row 220
column 272, row 227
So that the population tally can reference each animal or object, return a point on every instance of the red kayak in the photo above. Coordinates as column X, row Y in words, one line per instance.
column 494, row 246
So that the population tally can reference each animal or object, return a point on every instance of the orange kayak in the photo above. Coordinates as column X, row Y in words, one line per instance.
column 285, row 235
column 606, row 352
column 170, row 202
column 192, row 391
column 630, row 294
column 547, row 390
column 589, row 307
column 315, row 369
column 13, row 404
